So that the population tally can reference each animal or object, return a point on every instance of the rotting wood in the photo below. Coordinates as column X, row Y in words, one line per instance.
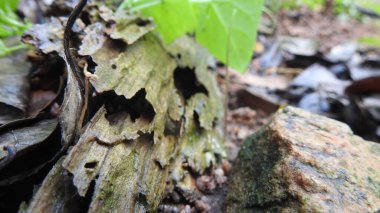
column 162, row 110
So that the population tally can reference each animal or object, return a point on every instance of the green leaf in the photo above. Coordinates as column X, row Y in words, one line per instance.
column 4, row 32
column 369, row 4
column 9, row 22
column 12, row 4
column 229, row 27
column 173, row 18
column 10, row 25
column 226, row 27
column 4, row 50
column 371, row 41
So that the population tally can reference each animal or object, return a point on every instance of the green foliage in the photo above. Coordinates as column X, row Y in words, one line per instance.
column 371, row 41
column 227, row 28
column 341, row 7
column 274, row 5
column 10, row 25
column 292, row 4
column 4, row 50
column 369, row 4
column 9, row 22
column 12, row 4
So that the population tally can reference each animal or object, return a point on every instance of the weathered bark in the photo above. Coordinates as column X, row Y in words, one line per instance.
column 162, row 110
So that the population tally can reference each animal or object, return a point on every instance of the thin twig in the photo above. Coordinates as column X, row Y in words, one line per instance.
column 66, row 43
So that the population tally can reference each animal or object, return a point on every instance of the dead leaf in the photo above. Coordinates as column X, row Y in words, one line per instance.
column 48, row 37
column 19, row 140
column 130, row 28
column 316, row 75
column 14, row 87
column 367, row 85
column 93, row 40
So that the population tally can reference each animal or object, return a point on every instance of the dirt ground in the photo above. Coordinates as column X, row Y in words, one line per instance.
column 327, row 30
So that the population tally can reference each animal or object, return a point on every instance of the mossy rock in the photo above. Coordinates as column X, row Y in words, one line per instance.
column 301, row 162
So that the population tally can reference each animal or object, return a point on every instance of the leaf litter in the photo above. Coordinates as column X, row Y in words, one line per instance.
column 152, row 134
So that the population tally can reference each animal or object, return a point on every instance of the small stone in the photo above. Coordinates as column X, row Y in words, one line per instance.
column 205, row 183
column 226, row 166
column 168, row 208
column 219, row 176
column 202, row 206
column 219, row 172
column 187, row 209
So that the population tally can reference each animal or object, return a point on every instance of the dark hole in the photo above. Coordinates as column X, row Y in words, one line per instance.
column 179, row 56
column 172, row 127
column 110, row 23
column 116, row 44
column 86, row 201
column 118, row 107
column 90, row 165
column 146, row 139
column 45, row 73
column 214, row 122
column 177, row 196
column 210, row 68
column 197, row 123
column 113, row 66
column 141, row 198
column 56, row 10
column 187, row 83
column 85, row 17
column 91, row 64
column 142, row 23
column 158, row 164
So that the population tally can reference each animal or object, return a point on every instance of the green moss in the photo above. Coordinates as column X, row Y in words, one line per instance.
column 118, row 174
column 253, row 186
column 373, row 186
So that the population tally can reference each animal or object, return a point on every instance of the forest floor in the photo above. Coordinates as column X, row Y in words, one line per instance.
column 328, row 31
column 322, row 63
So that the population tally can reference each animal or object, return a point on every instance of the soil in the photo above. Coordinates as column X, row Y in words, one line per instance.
column 327, row 30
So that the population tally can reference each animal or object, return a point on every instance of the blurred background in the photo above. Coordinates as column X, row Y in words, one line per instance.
column 319, row 55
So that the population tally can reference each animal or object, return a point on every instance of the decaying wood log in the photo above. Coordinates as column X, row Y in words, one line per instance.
column 158, row 122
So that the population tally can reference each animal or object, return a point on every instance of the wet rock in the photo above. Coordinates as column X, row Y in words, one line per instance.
column 301, row 162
